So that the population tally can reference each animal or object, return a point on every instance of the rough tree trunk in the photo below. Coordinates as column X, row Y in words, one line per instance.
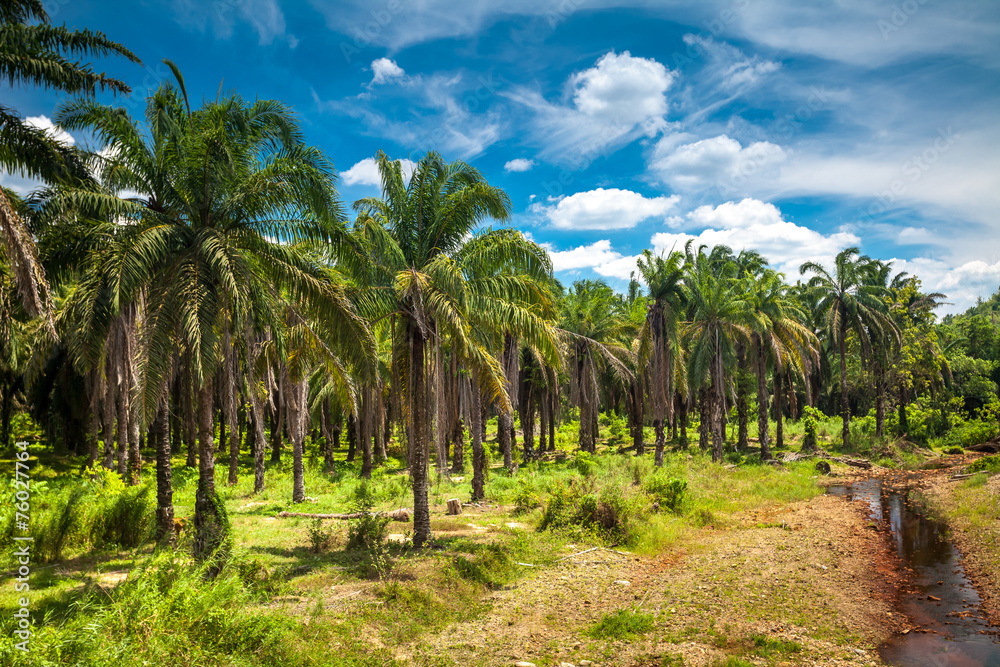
column 763, row 436
column 209, row 530
column 420, row 428
column 845, row 408
column 478, row 453
column 779, row 409
column 164, row 485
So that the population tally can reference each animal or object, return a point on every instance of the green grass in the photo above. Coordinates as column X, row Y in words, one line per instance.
column 254, row 613
column 622, row 624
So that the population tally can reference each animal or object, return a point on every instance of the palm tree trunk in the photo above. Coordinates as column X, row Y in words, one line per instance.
column 365, row 432
column 716, row 403
column 779, row 417
column 352, row 436
column 209, row 530
column 845, row 408
column 296, row 431
column 553, row 415
column 277, row 429
column 683, row 419
column 879, row 402
column 190, row 416
column 164, row 485
column 121, row 451
column 763, row 436
column 742, row 418
column 704, row 419
column 543, row 420
column 478, row 453
column 108, row 424
column 419, row 426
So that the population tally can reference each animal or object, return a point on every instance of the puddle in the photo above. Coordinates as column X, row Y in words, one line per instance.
column 948, row 624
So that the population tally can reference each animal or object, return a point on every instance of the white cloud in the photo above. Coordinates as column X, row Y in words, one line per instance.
column 618, row 100
column 605, row 209
column 729, row 67
column 756, row 225
column 519, row 164
column 719, row 161
column 43, row 123
column 365, row 172
column 582, row 257
column 385, row 70
column 961, row 284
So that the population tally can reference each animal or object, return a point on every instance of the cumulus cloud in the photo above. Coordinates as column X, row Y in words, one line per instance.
column 385, row 70
column 755, row 225
column 365, row 172
column 605, row 209
column 718, row 161
column 519, row 164
column 621, row 98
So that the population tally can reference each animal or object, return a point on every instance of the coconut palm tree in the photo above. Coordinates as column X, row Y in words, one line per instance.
column 849, row 302
column 414, row 263
column 658, row 335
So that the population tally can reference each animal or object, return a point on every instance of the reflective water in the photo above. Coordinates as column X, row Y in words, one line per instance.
column 948, row 625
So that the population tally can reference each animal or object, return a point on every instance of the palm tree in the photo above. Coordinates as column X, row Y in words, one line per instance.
column 33, row 52
column 224, row 193
column 414, row 264
column 849, row 302
column 593, row 324
column 778, row 337
column 720, row 316
column 658, row 336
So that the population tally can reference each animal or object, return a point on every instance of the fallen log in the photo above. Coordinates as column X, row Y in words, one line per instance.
column 856, row 463
column 401, row 514
column 985, row 448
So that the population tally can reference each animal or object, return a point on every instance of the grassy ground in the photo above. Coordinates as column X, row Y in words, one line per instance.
column 293, row 585
column 971, row 509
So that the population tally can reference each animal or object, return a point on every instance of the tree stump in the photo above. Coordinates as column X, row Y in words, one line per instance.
column 454, row 506
column 823, row 467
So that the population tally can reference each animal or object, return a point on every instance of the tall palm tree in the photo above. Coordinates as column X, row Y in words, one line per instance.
column 593, row 324
column 779, row 338
column 658, row 336
column 849, row 302
column 224, row 194
column 417, row 266
column 720, row 316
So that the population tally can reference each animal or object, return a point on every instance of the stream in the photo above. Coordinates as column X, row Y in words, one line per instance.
column 948, row 624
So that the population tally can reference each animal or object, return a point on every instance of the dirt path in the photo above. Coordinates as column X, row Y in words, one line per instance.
column 811, row 583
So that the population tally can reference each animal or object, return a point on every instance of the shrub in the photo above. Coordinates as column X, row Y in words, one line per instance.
column 319, row 537
column 810, row 421
column 525, row 499
column 584, row 463
column 610, row 513
column 989, row 463
column 666, row 492
column 368, row 533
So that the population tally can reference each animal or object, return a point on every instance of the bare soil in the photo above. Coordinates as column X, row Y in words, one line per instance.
column 815, row 573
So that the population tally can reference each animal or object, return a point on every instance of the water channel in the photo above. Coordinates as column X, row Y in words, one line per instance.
column 949, row 628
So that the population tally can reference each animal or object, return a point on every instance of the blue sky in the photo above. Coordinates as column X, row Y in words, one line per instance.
column 796, row 129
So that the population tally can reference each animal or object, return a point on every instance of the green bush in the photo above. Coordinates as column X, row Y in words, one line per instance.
column 667, row 492
column 609, row 513
column 989, row 463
